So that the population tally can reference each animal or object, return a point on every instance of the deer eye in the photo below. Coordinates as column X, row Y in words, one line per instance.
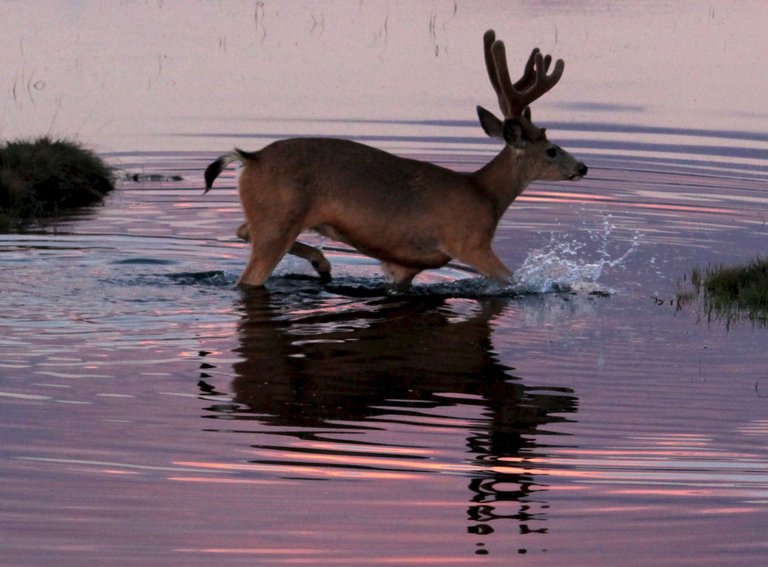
column 552, row 152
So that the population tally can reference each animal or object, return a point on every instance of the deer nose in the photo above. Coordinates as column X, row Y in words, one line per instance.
column 583, row 169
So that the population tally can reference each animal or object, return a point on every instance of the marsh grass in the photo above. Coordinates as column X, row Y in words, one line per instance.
column 42, row 178
column 729, row 293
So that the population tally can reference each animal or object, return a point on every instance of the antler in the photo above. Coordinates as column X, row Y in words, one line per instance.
column 513, row 99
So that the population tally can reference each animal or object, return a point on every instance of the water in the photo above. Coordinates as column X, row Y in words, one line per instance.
column 153, row 413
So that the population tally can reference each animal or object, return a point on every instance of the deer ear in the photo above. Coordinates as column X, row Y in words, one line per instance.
column 513, row 133
column 492, row 125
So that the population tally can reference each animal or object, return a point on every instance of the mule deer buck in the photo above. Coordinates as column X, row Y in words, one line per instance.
column 408, row 214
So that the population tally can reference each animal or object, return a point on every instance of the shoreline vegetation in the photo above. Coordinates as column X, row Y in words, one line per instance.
column 43, row 178
column 729, row 293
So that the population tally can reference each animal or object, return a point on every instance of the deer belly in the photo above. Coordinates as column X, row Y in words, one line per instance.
column 391, row 246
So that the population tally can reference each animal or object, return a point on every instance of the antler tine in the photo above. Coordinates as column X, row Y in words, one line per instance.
column 543, row 81
column 533, row 84
column 529, row 74
column 489, row 39
column 508, row 92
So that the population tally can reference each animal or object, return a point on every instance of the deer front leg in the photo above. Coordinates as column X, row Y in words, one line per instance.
column 485, row 261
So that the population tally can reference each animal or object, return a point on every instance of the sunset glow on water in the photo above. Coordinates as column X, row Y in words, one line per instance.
column 151, row 412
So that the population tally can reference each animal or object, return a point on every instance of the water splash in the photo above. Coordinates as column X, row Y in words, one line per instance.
column 561, row 267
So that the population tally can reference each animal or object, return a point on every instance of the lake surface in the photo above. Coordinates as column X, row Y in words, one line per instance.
column 153, row 413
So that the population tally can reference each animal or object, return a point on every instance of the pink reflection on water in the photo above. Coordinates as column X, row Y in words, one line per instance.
column 302, row 470
column 186, row 74
column 674, row 465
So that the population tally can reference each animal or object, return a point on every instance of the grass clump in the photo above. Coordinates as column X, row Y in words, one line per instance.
column 730, row 293
column 43, row 177
column 746, row 286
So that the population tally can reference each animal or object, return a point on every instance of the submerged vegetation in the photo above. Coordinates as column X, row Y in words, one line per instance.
column 729, row 293
column 44, row 177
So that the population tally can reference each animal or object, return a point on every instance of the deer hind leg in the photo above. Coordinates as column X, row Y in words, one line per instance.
column 399, row 277
column 311, row 254
column 242, row 232
column 266, row 251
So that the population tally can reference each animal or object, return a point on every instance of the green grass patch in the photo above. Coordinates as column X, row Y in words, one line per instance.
column 42, row 178
column 746, row 286
column 729, row 293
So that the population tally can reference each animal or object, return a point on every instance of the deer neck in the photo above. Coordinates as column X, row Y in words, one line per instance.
column 504, row 178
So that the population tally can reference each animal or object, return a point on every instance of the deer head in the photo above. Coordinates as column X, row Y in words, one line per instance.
column 548, row 161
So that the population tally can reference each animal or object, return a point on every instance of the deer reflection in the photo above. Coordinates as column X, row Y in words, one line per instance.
column 319, row 368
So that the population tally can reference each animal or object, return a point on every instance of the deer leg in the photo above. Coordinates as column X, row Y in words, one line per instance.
column 242, row 232
column 399, row 277
column 266, row 251
column 263, row 260
column 488, row 264
column 311, row 254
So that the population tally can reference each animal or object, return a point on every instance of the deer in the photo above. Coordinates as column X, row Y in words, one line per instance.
column 410, row 215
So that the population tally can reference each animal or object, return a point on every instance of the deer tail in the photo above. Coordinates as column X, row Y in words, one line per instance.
column 213, row 170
